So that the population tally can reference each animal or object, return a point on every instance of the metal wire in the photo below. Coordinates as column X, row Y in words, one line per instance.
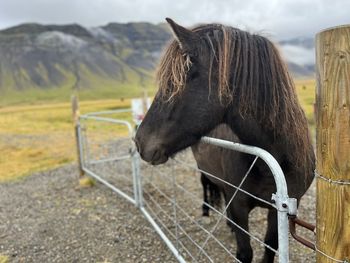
column 168, row 230
column 158, row 206
column 195, row 243
column 207, row 232
column 176, row 225
column 188, row 216
column 96, row 169
column 223, row 181
column 228, row 204
column 86, row 144
column 112, row 159
column 199, row 200
column 329, row 257
column 331, row 181
column 220, row 213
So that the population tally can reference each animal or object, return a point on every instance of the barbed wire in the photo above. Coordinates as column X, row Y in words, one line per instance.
column 331, row 181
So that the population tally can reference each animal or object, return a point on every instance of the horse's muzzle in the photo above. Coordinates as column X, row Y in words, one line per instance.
column 150, row 152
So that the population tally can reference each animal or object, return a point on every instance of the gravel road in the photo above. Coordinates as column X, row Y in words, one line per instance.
column 47, row 217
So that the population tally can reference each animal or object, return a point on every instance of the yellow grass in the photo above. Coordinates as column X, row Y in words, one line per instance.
column 306, row 95
column 4, row 259
column 39, row 137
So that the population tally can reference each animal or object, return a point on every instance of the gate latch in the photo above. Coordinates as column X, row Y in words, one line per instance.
column 293, row 221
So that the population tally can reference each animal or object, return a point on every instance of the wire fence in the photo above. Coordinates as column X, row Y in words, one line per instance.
column 170, row 195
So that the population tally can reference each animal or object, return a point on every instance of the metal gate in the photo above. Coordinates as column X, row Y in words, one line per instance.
column 107, row 154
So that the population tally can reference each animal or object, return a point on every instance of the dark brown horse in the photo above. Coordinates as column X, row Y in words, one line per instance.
column 216, row 74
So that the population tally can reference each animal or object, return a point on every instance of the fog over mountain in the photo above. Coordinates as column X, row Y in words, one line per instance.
column 300, row 55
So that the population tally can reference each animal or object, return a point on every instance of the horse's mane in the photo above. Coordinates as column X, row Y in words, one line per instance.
column 250, row 73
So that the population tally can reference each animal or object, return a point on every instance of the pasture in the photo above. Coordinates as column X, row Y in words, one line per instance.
column 40, row 136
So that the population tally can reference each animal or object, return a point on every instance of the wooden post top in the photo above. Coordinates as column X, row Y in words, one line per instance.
column 333, row 28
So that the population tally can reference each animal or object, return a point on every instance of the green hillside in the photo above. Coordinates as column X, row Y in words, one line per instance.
column 39, row 62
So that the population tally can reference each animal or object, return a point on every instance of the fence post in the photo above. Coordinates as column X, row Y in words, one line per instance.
column 75, row 113
column 333, row 144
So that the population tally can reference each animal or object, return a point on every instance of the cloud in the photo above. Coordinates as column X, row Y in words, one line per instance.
column 298, row 55
column 280, row 19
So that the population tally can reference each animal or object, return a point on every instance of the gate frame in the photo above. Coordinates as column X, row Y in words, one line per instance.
column 285, row 206
column 134, row 159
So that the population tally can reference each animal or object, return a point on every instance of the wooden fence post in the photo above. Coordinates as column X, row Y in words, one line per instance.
column 333, row 144
column 76, row 113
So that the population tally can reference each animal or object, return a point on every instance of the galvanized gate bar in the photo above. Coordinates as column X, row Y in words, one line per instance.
column 104, row 119
column 106, row 183
column 281, row 197
column 108, row 112
column 163, row 236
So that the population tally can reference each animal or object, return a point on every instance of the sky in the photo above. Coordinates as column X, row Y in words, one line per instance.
column 280, row 19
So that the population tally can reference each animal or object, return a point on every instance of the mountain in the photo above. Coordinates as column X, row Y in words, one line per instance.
column 39, row 56
column 34, row 56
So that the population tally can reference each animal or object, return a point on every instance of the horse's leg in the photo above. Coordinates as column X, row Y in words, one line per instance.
column 228, row 213
column 271, row 237
column 215, row 196
column 205, row 183
column 239, row 214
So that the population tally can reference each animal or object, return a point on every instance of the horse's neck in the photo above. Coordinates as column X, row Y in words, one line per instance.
column 250, row 132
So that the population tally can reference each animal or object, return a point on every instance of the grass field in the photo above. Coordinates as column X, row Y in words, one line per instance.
column 4, row 259
column 108, row 88
column 40, row 136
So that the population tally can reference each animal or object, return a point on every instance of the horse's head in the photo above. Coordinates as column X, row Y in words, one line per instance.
column 185, row 107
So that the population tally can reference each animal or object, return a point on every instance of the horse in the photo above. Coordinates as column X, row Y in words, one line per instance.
column 228, row 165
column 210, row 159
column 211, row 194
column 215, row 74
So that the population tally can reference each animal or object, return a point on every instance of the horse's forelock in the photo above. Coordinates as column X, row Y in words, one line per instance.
column 172, row 72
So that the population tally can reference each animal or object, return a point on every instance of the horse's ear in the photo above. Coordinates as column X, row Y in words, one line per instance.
column 184, row 36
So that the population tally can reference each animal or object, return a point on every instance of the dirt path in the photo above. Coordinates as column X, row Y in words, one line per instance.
column 47, row 218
